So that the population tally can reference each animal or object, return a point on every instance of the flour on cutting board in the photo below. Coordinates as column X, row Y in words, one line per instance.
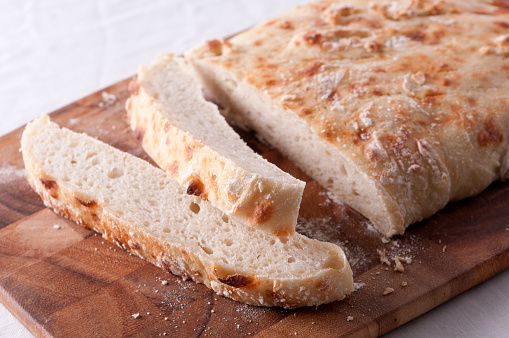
column 9, row 174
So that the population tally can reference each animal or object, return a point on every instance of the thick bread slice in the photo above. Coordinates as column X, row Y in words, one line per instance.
column 142, row 209
column 397, row 107
column 188, row 137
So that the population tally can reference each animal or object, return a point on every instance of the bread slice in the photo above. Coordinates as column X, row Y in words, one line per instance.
column 397, row 107
column 188, row 137
column 140, row 208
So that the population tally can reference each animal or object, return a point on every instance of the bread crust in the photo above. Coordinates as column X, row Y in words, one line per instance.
column 411, row 96
column 269, row 203
column 182, row 259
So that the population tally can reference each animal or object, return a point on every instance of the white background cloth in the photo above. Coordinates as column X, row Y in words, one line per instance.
column 55, row 52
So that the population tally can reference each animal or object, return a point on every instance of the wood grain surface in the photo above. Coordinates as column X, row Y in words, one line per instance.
column 62, row 280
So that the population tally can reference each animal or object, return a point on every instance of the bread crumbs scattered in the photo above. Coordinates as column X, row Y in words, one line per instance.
column 388, row 291
column 349, row 318
column 164, row 282
column 212, row 311
column 148, row 313
column 58, row 227
column 445, row 247
column 136, row 315
column 165, row 318
column 385, row 240
column 403, row 283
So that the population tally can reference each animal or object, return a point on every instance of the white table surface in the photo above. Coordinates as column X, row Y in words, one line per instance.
column 54, row 52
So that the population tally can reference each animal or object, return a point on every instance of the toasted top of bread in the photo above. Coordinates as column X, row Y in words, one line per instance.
column 142, row 209
column 188, row 137
column 412, row 96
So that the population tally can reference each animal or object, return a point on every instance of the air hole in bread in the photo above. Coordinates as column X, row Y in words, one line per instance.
column 73, row 162
column 272, row 241
column 166, row 230
column 115, row 172
column 354, row 190
column 95, row 161
column 225, row 218
column 283, row 239
column 213, row 177
column 291, row 259
column 194, row 207
column 228, row 242
column 91, row 154
column 330, row 183
column 146, row 223
column 342, row 170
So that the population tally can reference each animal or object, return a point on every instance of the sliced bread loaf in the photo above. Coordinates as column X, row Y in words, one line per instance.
column 142, row 209
column 188, row 137
column 397, row 107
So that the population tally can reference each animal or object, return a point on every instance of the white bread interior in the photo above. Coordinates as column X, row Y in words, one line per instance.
column 188, row 137
column 140, row 208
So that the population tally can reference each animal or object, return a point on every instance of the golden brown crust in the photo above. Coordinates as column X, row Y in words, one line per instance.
column 250, row 196
column 412, row 93
column 176, row 260
column 174, row 254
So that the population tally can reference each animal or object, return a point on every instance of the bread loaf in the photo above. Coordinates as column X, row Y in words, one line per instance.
column 143, row 210
column 397, row 107
column 188, row 137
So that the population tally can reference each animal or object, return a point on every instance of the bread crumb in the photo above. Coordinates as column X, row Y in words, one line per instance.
column 56, row 226
column 349, row 318
column 383, row 257
column 165, row 318
column 385, row 240
column 398, row 266
column 212, row 311
column 164, row 282
column 403, row 283
column 136, row 315
column 388, row 291
column 108, row 98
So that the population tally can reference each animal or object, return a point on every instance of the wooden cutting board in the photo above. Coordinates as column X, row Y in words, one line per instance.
column 61, row 280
